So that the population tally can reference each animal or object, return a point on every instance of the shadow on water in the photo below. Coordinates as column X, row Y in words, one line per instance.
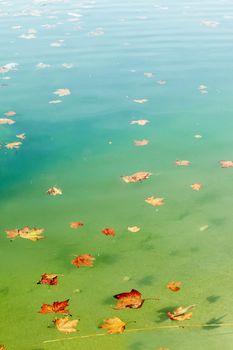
column 146, row 281
column 137, row 346
column 4, row 291
column 213, row 323
column 163, row 312
column 213, row 298
column 108, row 259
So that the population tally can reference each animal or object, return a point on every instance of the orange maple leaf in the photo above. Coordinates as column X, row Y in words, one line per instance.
column 109, row 232
column 85, row 259
column 76, row 224
column 180, row 313
column 226, row 163
column 65, row 325
column 132, row 300
column 196, row 186
column 155, row 201
column 174, row 286
column 13, row 145
column 114, row 325
column 137, row 177
column 50, row 279
column 57, row 306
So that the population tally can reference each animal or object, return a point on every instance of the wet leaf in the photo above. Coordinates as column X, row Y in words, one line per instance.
column 132, row 300
column 109, row 232
column 85, row 259
column 182, row 162
column 180, row 313
column 65, row 325
column 2, row 347
column 114, row 325
column 155, row 201
column 143, row 142
column 226, row 163
column 134, row 229
column 196, row 186
column 6, row 121
column 13, row 145
column 54, row 191
column 137, row 177
column 174, row 286
column 161, row 82
column 50, row 279
column 62, row 92
column 10, row 114
column 21, row 136
column 33, row 234
column 148, row 75
column 76, row 224
column 143, row 100
column 57, row 307
column 140, row 122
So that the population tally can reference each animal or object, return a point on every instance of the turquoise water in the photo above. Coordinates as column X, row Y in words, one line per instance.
column 84, row 145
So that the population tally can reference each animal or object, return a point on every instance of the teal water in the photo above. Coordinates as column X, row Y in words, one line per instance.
column 86, row 143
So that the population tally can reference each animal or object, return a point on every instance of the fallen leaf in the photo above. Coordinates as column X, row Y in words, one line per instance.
column 114, row 325
column 198, row 136
column 136, row 177
column 203, row 228
column 155, row 201
column 10, row 114
column 130, row 300
column 57, row 306
column 62, row 92
column 210, row 24
column 65, row 325
column 2, row 347
column 180, row 313
column 54, row 191
column 182, row 162
column 50, row 279
column 143, row 100
column 55, row 101
column 21, row 136
column 6, row 121
column 140, row 122
column 226, row 163
column 161, row 82
column 133, row 228
column 143, row 142
column 76, row 224
column 13, row 145
column 196, row 186
column 109, row 232
column 174, row 286
column 33, row 234
column 85, row 259
column 148, row 75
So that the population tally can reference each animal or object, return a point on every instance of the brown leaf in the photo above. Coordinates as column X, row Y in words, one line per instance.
column 196, row 186
column 182, row 162
column 33, row 234
column 143, row 142
column 226, row 163
column 65, row 325
column 155, row 201
column 2, row 347
column 54, row 191
column 132, row 300
column 109, row 232
column 50, row 279
column 76, row 224
column 57, row 306
column 6, row 121
column 180, row 313
column 85, row 259
column 137, row 177
column 114, row 325
column 13, row 145
column 174, row 286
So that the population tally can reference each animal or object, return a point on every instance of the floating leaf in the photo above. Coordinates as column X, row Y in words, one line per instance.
column 109, row 232
column 174, row 286
column 50, row 279
column 10, row 114
column 54, row 191
column 226, row 163
column 21, row 136
column 65, row 325
column 13, row 145
column 161, row 82
column 143, row 100
column 85, row 259
column 196, row 186
column 6, row 121
column 2, row 347
column 76, row 224
column 137, row 177
column 114, row 325
column 182, row 162
column 33, row 234
column 132, row 300
column 62, row 92
column 140, row 122
column 134, row 229
column 180, row 313
column 57, row 307
column 143, row 142
column 155, row 201
column 148, row 75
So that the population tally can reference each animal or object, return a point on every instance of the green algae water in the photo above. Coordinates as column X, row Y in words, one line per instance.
column 178, row 57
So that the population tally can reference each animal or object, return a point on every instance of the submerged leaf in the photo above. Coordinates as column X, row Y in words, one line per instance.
column 57, row 307
column 132, row 300
column 114, row 325
column 143, row 100
column 62, row 92
column 10, row 114
column 109, row 232
column 65, row 325
column 50, row 279
column 137, row 177
column 85, row 259
column 155, row 201
column 13, row 145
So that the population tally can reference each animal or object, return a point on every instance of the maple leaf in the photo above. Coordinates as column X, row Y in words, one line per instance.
column 65, row 325
column 57, row 306
column 2, row 347
column 174, row 286
column 33, row 234
column 180, row 313
column 109, row 232
column 133, row 228
column 54, row 191
column 196, row 186
column 76, row 224
column 114, row 325
column 13, row 145
column 21, row 136
column 143, row 142
column 62, row 92
column 155, row 201
column 132, row 300
column 6, row 121
column 85, row 259
column 140, row 122
column 182, row 162
column 50, row 279
column 137, row 177
column 226, row 163
column 10, row 114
